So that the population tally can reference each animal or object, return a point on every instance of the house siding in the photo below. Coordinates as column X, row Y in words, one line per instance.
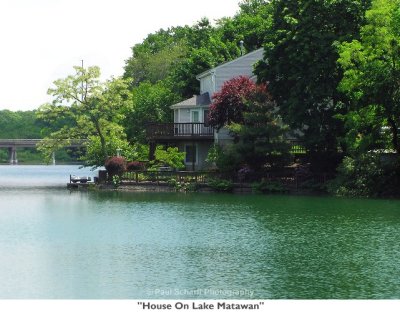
column 213, row 80
column 222, row 136
column 243, row 66
column 183, row 114
column 207, row 84
column 202, row 153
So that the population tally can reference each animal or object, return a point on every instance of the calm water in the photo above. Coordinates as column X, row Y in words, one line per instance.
column 60, row 244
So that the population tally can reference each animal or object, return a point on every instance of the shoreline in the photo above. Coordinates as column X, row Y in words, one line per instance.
column 146, row 187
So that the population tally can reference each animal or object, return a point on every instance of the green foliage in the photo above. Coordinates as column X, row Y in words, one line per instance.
column 169, row 157
column 116, row 181
column 25, row 156
column 365, row 130
column 19, row 125
column 372, row 76
column 366, row 175
column 183, row 186
column 85, row 108
column 226, row 159
column 300, row 65
column 252, row 24
column 220, row 185
column 26, row 125
column 268, row 187
column 114, row 142
column 252, row 118
column 261, row 140
column 150, row 103
column 139, row 152
column 178, row 54
column 153, row 65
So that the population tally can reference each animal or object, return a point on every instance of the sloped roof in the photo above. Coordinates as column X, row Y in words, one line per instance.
column 196, row 100
column 259, row 51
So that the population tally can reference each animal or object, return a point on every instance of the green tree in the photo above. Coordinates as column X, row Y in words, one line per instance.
column 251, row 115
column 169, row 157
column 301, row 68
column 252, row 24
column 147, row 66
column 206, row 49
column 93, row 110
column 150, row 103
column 260, row 137
column 372, row 77
column 177, row 54
column 19, row 125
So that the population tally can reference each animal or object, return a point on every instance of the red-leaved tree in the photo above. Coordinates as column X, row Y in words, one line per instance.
column 228, row 104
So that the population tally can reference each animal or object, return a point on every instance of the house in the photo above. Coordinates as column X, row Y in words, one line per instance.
column 190, row 131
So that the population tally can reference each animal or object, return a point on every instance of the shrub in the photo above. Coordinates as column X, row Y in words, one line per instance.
column 170, row 157
column 183, row 186
column 115, row 166
column 116, row 180
column 269, row 187
column 221, row 185
column 135, row 166
column 366, row 175
column 226, row 159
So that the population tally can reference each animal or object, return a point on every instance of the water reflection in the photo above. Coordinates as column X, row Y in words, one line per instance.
column 60, row 244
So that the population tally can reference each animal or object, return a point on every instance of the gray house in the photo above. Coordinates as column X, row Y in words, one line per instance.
column 190, row 131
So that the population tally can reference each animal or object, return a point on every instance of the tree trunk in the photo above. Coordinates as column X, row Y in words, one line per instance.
column 102, row 139
column 395, row 135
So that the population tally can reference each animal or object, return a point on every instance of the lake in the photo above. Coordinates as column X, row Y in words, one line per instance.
column 57, row 243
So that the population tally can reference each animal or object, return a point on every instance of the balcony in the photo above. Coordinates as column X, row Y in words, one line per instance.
column 179, row 131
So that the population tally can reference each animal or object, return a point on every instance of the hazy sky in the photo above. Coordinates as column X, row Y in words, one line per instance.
column 42, row 39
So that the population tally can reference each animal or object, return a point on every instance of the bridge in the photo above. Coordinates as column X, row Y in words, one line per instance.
column 13, row 144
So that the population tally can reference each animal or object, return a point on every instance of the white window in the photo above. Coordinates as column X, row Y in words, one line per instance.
column 195, row 115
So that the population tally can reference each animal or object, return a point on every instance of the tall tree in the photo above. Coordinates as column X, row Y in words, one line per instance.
column 261, row 136
column 250, row 114
column 206, row 49
column 252, row 24
column 152, row 60
column 19, row 125
column 93, row 110
column 228, row 103
column 150, row 103
column 372, row 76
column 300, row 64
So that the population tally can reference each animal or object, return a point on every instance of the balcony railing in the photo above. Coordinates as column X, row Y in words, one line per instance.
column 179, row 130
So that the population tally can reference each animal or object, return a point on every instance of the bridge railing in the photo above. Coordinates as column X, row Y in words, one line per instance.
column 32, row 142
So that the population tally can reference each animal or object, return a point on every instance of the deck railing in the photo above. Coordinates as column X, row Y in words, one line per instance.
column 290, row 180
column 166, row 176
column 184, row 129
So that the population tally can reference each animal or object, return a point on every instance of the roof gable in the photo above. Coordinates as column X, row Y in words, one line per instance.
column 248, row 55
column 195, row 101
